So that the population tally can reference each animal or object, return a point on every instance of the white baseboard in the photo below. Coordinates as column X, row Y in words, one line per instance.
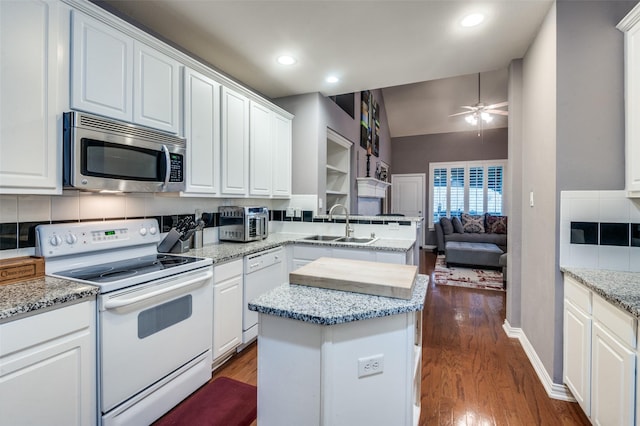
column 554, row 390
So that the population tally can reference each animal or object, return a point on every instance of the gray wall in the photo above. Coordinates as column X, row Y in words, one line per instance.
column 315, row 113
column 412, row 154
column 572, row 139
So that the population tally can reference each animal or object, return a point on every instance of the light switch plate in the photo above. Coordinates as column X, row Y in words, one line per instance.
column 290, row 212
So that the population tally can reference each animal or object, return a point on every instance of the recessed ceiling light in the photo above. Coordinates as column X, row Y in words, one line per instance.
column 332, row 79
column 472, row 20
column 286, row 60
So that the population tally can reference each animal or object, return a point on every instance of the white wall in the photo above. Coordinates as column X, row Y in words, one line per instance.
column 597, row 206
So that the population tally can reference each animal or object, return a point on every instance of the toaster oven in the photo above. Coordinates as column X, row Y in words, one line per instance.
column 243, row 223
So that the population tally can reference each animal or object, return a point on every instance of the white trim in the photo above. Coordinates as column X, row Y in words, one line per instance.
column 554, row 390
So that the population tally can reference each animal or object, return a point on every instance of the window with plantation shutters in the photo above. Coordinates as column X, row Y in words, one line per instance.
column 474, row 187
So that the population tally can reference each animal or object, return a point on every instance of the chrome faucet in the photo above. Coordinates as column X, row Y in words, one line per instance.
column 348, row 231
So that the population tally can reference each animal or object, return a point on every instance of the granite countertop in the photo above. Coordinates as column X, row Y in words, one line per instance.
column 621, row 289
column 327, row 307
column 20, row 299
column 24, row 298
column 226, row 251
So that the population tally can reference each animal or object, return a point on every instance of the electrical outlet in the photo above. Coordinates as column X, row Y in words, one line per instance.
column 394, row 226
column 370, row 365
column 297, row 212
column 290, row 211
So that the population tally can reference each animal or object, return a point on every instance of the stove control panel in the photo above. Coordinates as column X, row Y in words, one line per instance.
column 71, row 238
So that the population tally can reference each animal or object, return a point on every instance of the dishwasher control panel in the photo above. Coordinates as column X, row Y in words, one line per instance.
column 263, row 259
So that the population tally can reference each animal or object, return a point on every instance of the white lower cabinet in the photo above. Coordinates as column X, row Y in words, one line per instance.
column 227, row 309
column 48, row 368
column 599, row 350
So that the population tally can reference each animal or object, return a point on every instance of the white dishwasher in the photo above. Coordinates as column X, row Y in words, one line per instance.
column 263, row 271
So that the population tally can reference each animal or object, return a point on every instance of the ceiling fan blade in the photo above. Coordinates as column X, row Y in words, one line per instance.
column 497, row 112
column 498, row 105
column 461, row 113
column 472, row 108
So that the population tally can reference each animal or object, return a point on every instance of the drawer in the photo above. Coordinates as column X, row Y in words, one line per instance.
column 227, row 270
column 617, row 322
column 578, row 294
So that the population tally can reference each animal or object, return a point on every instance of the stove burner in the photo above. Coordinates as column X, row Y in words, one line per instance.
column 118, row 274
column 123, row 269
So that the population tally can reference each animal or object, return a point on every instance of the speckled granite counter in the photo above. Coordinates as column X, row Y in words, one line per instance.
column 24, row 298
column 20, row 299
column 621, row 289
column 328, row 307
column 226, row 251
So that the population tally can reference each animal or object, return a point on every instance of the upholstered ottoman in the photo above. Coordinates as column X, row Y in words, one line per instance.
column 480, row 254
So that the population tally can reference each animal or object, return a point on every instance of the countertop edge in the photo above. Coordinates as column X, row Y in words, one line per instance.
column 620, row 288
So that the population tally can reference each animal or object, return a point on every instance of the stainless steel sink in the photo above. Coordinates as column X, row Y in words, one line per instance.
column 356, row 240
column 322, row 238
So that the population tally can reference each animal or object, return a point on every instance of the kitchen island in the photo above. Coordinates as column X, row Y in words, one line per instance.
column 330, row 357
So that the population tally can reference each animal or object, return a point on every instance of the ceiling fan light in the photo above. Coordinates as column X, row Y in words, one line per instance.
column 472, row 20
column 471, row 119
column 486, row 117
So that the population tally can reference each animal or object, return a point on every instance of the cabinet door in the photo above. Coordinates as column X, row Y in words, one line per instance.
column 227, row 316
column 235, row 142
column 260, row 150
column 281, row 156
column 30, row 160
column 101, row 69
column 202, row 130
column 577, row 354
column 613, row 384
column 48, row 368
column 156, row 89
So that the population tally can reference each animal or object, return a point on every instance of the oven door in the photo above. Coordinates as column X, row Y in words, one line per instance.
column 150, row 330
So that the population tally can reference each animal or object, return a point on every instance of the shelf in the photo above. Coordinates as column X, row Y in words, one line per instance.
column 337, row 193
column 331, row 169
column 371, row 187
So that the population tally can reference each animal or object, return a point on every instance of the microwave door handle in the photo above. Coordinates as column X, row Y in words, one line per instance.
column 167, row 160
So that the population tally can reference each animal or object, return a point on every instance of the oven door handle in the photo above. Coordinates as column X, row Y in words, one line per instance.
column 125, row 301
column 167, row 164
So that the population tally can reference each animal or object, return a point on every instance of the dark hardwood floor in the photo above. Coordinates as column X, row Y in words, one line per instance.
column 472, row 373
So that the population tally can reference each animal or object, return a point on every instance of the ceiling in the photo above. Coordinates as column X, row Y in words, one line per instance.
column 388, row 44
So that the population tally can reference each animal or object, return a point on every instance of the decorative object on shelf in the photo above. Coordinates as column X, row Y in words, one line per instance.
column 368, row 160
column 369, row 123
column 378, row 171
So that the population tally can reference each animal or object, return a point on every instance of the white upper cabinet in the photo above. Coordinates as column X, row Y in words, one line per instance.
column 101, row 68
column 30, row 160
column 115, row 76
column 156, row 89
column 202, row 131
column 630, row 25
column 235, row 143
column 281, row 156
column 260, row 150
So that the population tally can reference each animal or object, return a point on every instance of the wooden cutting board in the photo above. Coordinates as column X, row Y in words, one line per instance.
column 359, row 276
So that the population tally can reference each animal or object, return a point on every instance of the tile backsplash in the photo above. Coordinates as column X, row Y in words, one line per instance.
column 20, row 214
column 599, row 229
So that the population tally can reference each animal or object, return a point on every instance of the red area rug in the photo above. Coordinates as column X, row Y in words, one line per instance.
column 223, row 402
column 458, row 276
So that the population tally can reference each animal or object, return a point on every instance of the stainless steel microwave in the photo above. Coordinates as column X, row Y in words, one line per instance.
column 101, row 154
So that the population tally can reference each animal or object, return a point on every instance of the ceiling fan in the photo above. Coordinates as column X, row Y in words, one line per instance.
column 480, row 113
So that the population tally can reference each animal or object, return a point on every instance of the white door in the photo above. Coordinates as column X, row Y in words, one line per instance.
column 101, row 68
column 235, row 143
column 260, row 150
column 156, row 85
column 407, row 196
column 30, row 161
column 202, row 130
